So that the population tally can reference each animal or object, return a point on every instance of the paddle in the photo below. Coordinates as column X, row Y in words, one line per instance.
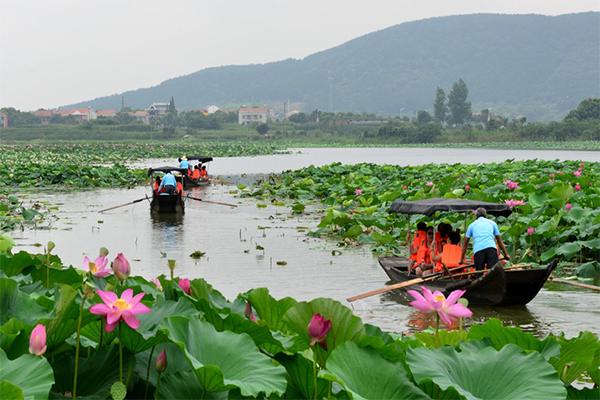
column 220, row 181
column 126, row 204
column 212, row 202
column 575, row 284
column 403, row 284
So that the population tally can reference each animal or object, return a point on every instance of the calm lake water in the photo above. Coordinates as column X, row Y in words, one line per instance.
column 230, row 236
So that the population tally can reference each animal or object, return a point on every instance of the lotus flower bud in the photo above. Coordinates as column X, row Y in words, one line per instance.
column 568, row 207
column 161, row 361
column 185, row 285
column 37, row 340
column 248, row 312
column 317, row 330
column 530, row 231
column 467, row 187
column 121, row 267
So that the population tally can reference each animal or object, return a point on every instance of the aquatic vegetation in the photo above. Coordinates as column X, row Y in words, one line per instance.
column 565, row 220
column 254, row 346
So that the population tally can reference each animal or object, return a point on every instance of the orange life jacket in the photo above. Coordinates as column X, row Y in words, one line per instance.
column 420, row 237
column 196, row 174
column 424, row 254
column 450, row 256
column 180, row 189
column 203, row 173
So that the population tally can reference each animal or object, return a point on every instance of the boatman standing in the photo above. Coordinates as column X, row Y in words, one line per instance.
column 184, row 163
column 485, row 235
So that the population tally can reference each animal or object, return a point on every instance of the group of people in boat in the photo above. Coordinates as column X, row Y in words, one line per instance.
column 429, row 253
column 198, row 172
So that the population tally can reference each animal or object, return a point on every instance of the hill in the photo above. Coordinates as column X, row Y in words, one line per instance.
column 532, row 65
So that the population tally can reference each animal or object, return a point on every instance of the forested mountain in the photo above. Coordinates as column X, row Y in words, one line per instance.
column 532, row 65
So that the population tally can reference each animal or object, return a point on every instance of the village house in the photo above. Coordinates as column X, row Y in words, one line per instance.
column 107, row 113
column 44, row 115
column 247, row 116
column 3, row 120
column 141, row 116
column 157, row 109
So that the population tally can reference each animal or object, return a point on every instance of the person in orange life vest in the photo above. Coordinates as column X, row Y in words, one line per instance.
column 157, row 184
column 419, row 237
column 424, row 264
column 196, row 173
column 450, row 254
column 441, row 236
column 180, row 188
column 203, row 172
column 486, row 235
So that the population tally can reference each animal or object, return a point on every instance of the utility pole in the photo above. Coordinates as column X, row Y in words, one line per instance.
column 122, row 107
column 330, row 78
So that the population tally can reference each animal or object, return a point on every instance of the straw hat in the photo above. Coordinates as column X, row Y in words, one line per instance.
column 184, row 158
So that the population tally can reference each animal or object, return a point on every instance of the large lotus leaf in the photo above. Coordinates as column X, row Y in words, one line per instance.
column 269, row 309
column 345, row 326
column 367, row 375
column 563, row 191
column 10, row 391
column 537, row 199
column 14, row 264
column 443, row 338
column 501, row 336
column 96, row 374
column 487, row 373
column 16, row 304
column 588, row 270
column 593, row 244
column 32, row 374
column 353, row 232
column 184, row 385
column 14, row 338
column 148, row 333
column 68, row 276
column 382, row 239
column 576, row 356
column 200, row 289
column 224, row 360
column 259, row 332
column 300, row 377
column 568, row 250
column 583, row 393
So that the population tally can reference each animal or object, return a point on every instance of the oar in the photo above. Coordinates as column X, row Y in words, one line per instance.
column 212, row 202
column 403, row 284
column 123, row 205
column 575, row 284
column 512, row 267
column 220, row 181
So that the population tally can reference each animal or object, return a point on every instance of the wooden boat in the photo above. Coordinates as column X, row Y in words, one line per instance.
column 187, row 180
column 167, row 203
column 497, row 287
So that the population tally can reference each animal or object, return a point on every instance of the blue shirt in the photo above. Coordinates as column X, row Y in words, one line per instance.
column 184, row 164
column 484, row 232
column 167, row 180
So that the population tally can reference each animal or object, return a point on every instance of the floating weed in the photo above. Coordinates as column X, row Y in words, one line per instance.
column 281, row 262
column 197, row 254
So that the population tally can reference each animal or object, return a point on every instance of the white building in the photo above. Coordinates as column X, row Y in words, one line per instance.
column 247, row 116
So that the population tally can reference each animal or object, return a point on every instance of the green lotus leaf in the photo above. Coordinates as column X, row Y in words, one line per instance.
column 583, row 393
column 500, row 336
column 6, row 243
column 224, row 360
column 367, row 375
column 382, row 239
column 588, row 270
column 10, row 391
column 184, row 385
column 487, row 373
column 17, row 304
column 568, row 250
column 354, row 231
column 563, row 191
column 32, row 374
column 300, row 377
column 14, row 264
column 576, row 356
column 269, row 309
column 538, row 199
column 593, row 244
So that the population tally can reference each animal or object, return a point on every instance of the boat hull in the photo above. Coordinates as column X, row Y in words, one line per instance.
column 167, row 204
column 189, row 182
column 498, row 287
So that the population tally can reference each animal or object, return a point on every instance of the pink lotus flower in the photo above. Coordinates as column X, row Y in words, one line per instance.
column 404, row 187
column 448, row 309
column 248, row 312
column 429, row 184
column 552, row 175
column 560, row 172
column 577, row 173
column 317, row 330
column 96, row 268
column 568, row 207
column 582, row 164
column 512, row 202
column 185, row 285
column 120, row 309
column 157, row 283
column 121, row 267
column 511, row 184
column 530, row 231
column 37, row 340
column 161, row 361
column 577, row 187
column 467, row 187
column 358, row 191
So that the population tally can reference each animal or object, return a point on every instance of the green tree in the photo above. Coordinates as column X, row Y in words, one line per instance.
column 16, row 117
column 460, row 108
column 171, row 107
column 587, row 109
column 262, row 129
column 423, row 117
column 440, row 108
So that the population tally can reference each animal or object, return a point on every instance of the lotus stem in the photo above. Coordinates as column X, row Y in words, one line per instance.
column 148, row 373
column 120, row 355
column 158, row 385
column 437, row 328
column 77, row 347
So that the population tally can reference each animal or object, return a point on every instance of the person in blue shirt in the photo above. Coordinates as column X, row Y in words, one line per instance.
column 184, row 163
column 169, row 183
column 485, row 235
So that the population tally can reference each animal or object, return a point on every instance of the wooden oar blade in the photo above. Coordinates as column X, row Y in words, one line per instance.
column 123, row 205
column 385, row 289
column 220, row 181
column 212, row 202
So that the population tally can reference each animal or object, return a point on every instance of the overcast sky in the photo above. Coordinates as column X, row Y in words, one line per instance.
column 56, row 52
